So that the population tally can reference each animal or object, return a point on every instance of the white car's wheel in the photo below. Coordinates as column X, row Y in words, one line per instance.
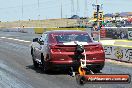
column 44, row 67
column 35, row 64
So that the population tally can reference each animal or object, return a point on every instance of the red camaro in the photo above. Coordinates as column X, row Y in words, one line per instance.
column 56, row 50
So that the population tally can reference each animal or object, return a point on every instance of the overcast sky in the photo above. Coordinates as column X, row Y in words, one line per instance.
column 11, row 10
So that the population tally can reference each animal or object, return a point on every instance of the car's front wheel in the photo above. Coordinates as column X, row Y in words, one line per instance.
column 35, row 64
column 44, row 66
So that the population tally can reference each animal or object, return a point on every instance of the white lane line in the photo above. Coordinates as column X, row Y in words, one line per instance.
column 10, row 38
column 2, row 37
column 21, row 40
column 15, row 39
column 26, row 41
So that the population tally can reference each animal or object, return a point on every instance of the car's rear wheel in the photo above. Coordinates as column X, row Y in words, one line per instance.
column 98, row 68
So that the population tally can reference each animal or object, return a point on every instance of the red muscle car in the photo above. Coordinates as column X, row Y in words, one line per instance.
column 56, row 50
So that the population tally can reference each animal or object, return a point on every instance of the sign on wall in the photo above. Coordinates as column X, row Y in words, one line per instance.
column 118, row 53
column 117, row 32
column 130, row 33
column 103, row 33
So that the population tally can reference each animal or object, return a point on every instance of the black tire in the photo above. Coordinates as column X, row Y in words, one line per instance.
column 81, row 80
column 98, row 68
column 31, row 51
column 35, row 64
column 44, row 66
column 96, row 71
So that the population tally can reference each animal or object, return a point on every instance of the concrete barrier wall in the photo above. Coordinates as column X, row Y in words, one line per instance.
column 41, row 30
column 22, row 30
column 37, row 30
column 9, row 30
column 29, row 30
column 119, row 53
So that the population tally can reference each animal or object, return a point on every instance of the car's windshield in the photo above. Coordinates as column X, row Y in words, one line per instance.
column 73, row 37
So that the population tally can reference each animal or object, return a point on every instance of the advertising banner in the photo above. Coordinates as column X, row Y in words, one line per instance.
column 118, row 53
column 130, row 34
column 116, row 32
column 103, row 33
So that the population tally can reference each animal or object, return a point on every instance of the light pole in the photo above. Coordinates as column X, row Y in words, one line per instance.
column 38, row 10
column 77, row 11
column 39, row 14
column 96, row 1
column 21, row 23
column 72, row 8
column 61, row 10
column 22, row 9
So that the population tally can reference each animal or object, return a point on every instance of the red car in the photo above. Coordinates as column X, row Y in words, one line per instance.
column 56, row 50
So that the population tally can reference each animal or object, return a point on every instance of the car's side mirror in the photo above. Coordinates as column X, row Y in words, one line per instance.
column 35, row 40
